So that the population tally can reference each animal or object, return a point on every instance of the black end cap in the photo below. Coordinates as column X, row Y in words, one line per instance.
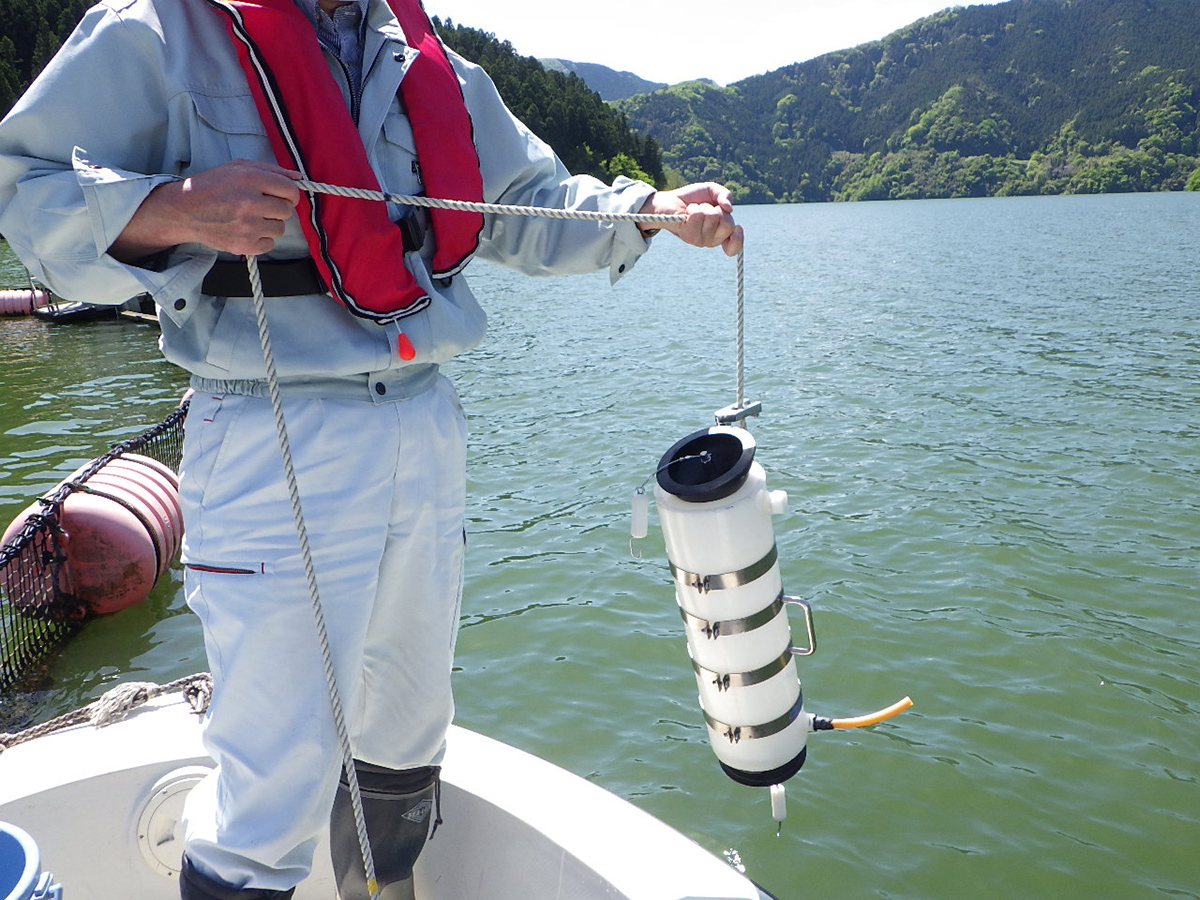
column 766, row 779
column 727, row 455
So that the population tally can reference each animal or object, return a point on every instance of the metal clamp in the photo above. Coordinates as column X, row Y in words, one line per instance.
column 714, row 628
column 735, row 733
column 737, row 413
column 725, row 681
column 727, row 580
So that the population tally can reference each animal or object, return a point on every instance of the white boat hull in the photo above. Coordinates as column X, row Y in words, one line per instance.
column 103, row 805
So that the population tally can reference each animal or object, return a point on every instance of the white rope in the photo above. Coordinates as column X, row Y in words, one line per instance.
column 115, row 703
column 741, row 330
column 285, row 448
column 289, row 471
column 498, row 208
column 318, row 187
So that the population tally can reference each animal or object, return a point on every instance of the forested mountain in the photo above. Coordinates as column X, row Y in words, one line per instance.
column 608, row 83
column 1021, row 97
column 30, row 32
column 1028, row 96
column 588, row 135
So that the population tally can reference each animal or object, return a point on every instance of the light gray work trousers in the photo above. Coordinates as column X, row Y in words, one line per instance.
column 382, row 487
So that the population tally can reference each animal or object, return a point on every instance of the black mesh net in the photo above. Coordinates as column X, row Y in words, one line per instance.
column 36, row 614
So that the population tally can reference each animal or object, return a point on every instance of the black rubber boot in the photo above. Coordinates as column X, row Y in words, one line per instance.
column 398, row 806
column 195, row 886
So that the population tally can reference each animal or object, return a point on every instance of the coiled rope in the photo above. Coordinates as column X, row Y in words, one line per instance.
column 289, row 469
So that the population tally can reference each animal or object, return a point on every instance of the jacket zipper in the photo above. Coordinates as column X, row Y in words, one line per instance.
column 355, row 93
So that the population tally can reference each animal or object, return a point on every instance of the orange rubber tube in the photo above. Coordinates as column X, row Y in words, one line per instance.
column 873, row 718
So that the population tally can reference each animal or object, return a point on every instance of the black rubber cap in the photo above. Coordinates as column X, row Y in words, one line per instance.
column 707, row 465
column 766, row 779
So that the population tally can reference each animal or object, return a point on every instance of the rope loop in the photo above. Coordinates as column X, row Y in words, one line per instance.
column 285, row 450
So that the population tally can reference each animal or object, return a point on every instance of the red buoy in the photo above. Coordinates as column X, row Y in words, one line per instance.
column 111, row 560
column 142, row 502
column 157, row 491
column 122, row 529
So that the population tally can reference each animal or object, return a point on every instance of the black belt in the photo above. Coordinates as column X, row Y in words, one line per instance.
column 280, row 278
column 289, row 277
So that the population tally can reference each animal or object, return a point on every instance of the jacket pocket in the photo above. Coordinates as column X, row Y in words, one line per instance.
column 398, row 152
column 228, row 127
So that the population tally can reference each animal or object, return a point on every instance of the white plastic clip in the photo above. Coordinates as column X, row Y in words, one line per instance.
column 639, row 523
column 778, row 806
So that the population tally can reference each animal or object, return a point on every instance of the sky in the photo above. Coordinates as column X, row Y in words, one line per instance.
column 679, row 40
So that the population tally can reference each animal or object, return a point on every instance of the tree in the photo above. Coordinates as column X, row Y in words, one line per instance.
column 1018, row 97
column 624, row 164
column 587, row 134
column 10, row 79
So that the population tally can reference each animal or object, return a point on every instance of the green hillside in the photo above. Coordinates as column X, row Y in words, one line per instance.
column 587, row 133
column 1023, row 97
column 30, row 33
column 608, row 83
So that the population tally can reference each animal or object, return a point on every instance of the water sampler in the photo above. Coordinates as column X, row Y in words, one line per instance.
column 716, row 515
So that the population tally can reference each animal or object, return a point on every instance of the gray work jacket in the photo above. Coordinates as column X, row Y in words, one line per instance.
column 146, row 91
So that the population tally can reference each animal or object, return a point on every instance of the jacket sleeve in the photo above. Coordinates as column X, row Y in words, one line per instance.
column 60, row 207
column 520, row 168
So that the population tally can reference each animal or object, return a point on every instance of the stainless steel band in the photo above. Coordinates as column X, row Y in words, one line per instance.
column 713, row 629
column 727, row 580
column 724, row 681
column 736, row 733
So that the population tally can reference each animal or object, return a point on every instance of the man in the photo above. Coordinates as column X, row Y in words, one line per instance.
column 162, row 143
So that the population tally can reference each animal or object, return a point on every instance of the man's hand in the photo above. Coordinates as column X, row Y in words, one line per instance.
column 238, row 207
column 709, row 212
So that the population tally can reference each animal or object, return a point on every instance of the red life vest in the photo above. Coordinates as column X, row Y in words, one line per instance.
column 357, row 249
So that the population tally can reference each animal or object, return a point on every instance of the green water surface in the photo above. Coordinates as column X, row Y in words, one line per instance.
column 985, row 415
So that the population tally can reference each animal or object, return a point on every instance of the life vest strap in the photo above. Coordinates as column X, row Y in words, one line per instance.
column 355, row 246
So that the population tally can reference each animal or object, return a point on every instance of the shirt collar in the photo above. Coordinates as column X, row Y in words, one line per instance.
column 315, row 13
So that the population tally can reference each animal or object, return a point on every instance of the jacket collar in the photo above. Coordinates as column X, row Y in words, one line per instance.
column 386, row 57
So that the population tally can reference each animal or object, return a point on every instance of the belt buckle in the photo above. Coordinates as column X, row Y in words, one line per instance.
column 412, row 227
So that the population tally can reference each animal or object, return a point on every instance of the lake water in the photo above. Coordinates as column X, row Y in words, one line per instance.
column 985, row 413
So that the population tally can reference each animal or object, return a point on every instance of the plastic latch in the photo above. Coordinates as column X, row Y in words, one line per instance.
column 639, row 524
column 778, row 803
column 45, row 890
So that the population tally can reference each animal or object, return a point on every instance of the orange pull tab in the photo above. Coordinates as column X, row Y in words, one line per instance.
column 404, row 347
